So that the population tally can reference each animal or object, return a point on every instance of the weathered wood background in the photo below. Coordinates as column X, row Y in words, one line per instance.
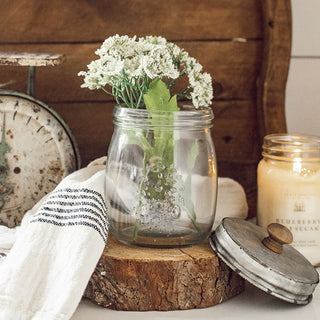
column 244, row 45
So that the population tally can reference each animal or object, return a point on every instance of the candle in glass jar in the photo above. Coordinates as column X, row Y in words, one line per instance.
column 289, row 189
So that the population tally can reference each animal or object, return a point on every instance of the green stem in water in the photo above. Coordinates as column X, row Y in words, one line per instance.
column 139, row 208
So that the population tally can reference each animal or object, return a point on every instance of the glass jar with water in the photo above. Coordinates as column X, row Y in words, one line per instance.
column 161, row 176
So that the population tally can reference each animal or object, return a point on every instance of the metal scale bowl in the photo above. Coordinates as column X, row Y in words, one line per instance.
column 37, row 148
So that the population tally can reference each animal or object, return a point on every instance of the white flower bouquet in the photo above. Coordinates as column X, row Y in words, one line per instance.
column 131, row 66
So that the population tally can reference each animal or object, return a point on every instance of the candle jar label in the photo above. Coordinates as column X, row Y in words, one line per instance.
column 294, row 206
column 289, row 193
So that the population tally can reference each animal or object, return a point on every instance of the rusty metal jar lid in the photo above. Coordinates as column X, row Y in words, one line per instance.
column 265, row 259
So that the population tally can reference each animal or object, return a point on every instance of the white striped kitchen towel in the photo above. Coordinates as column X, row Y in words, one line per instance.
column 56, row 250
column 61, row 239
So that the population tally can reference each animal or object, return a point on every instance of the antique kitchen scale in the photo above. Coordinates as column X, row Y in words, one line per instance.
column 37, row 149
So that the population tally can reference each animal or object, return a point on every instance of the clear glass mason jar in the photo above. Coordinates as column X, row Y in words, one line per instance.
column 289, row 189
column 161, row 176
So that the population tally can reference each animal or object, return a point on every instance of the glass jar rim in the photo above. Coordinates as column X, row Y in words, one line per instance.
column 291, row 147
column 201, row 117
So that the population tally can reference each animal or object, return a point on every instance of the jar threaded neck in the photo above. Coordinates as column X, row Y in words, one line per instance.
column 290, row 147
column 186, row 118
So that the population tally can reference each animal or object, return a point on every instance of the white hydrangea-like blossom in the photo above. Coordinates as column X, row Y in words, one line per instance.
column 202, row 93
column 129, row 64
column 117, row 46
column 158, row 63
column 134, row 67
column 191, row 64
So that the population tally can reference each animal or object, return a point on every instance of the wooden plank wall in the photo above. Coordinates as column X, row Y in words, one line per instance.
column 225, row 36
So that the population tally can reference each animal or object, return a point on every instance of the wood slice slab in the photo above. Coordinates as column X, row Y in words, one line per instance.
column 140, row 279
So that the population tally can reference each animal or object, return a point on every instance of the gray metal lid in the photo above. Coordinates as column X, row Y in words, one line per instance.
column 288, row 275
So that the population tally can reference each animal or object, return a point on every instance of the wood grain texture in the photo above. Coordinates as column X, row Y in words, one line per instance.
column 142, row 279
column 233, row 64
column 33, row 21
column 274, row 70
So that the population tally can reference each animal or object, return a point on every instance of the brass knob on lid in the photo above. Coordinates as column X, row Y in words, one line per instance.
column 278, row 235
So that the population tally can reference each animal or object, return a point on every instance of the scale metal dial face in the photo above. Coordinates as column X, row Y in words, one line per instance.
column 37, row 151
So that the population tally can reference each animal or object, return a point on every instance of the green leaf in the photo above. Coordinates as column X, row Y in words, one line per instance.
column 192, row 155
column 158, row 97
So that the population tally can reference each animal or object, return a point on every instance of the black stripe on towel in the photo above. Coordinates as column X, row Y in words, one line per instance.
column 75, row 216
column 72, row 194
column 69, row 207
column 64, row 207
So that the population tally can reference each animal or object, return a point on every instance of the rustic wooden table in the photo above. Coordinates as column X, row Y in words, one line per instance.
column 252, row 304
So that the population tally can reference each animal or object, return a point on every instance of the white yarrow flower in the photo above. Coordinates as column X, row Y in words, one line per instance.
column 202, row 93
column 129, row 64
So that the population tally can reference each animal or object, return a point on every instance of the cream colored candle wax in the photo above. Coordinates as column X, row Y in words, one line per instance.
column 289, row 189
